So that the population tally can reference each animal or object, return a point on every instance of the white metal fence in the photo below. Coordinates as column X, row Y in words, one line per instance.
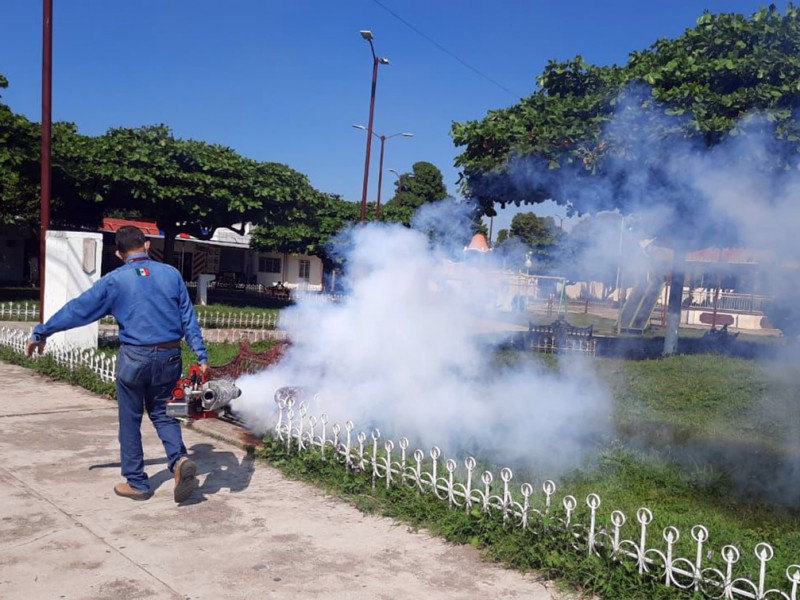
column 712, row 575
column 232, row 320
column 19, row 311
column 103, row 366
column 29, row 312
column 726, row 301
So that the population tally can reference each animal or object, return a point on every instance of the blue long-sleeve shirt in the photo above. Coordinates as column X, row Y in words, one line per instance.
column 148, row 299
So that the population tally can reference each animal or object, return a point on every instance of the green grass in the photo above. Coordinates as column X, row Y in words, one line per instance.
column 218, row 353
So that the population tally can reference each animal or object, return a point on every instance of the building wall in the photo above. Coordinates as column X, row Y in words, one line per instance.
column 193, row 257
column 289, row 274
column 735, row 320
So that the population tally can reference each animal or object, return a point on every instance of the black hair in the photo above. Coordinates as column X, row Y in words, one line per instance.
column 129, row 238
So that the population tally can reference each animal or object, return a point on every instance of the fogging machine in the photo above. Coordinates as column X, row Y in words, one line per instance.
column 198, row 397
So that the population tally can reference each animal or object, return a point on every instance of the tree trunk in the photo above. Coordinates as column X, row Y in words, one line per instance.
column 674, row 303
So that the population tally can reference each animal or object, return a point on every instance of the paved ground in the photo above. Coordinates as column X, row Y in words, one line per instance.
column 246, row 533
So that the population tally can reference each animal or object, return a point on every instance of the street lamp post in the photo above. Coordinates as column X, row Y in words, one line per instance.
column 367, row 35
column 383, row 139
column 47, row 96
column 619, row 275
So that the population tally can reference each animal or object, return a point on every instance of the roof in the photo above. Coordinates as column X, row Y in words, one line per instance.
column 228, row 236
column 478, row 243
column 147, row 227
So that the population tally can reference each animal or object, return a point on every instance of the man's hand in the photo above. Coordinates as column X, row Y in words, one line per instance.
column 204, row 368
column 33, row 346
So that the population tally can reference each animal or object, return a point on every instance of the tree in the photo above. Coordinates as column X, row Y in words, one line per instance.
column 19, row 166
column 540, row 235
column 308, row 227
column 184, row 185
column 20, row 173
column 187, row 185
column 689, row 93
column 425, row 184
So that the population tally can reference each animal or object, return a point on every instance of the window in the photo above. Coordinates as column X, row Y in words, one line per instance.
column 305, row 270
column 268, row 264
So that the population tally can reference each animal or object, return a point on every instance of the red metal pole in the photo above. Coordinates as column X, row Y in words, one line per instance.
column 380, row 182
column 47, row 128
column 375, row 63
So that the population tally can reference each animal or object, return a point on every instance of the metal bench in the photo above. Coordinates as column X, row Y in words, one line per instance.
column 561, row 338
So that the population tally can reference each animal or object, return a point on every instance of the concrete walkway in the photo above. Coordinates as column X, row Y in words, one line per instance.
column 247, row 532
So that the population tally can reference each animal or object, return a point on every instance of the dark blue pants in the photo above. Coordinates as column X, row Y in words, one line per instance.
column 145, row 379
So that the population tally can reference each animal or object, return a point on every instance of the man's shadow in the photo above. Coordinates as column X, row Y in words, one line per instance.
column 216, row 470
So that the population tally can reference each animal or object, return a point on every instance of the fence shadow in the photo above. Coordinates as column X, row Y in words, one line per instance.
column 218, row 470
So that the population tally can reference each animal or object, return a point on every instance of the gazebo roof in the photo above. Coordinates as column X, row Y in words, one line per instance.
column 478, row 243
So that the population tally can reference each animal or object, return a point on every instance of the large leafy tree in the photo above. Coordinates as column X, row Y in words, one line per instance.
column 560, row 143
column 20, row 173
column 539, row 235
column 186, row 185
column 19, row 166
column 425, row 184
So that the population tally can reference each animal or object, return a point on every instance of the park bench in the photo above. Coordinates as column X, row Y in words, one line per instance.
column 561, row 338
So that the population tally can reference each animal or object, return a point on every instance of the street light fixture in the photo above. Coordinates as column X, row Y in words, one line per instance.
column 400, row 186
column 383, row 139
column 376, row 60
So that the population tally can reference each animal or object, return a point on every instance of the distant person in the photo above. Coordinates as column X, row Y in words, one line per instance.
column 150, row 302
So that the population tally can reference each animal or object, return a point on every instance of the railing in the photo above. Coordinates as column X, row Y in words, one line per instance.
column 103, row 366
column 29, row 312
column 538, row 512
column 726, row 301
column 235, row 336
column 232, row 320
column 19, row 311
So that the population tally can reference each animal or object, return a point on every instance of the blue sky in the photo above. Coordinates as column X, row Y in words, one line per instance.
column 285, row 81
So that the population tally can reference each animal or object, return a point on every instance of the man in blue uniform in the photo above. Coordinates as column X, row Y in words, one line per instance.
column 150, row 302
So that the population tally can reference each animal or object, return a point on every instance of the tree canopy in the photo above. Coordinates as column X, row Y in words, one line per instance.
column 308, row 225
column 423, row 185
column 533, row 236
column 696, row 88
column 146, row 172
column 597, row 138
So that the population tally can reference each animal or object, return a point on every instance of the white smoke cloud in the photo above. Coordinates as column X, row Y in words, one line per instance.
column 402, row 352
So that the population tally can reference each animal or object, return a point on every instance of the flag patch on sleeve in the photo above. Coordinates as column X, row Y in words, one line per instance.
column 143, row 272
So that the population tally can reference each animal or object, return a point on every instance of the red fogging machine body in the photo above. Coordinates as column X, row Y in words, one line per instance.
column 198, row 397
